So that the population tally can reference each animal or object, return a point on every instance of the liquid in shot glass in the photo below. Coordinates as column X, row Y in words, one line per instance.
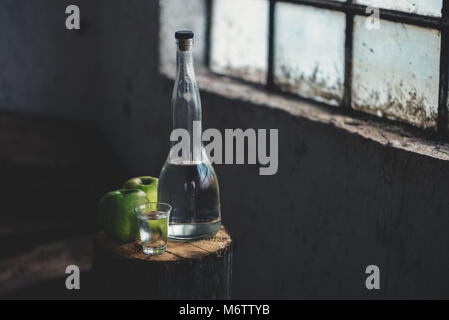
column 153, row 226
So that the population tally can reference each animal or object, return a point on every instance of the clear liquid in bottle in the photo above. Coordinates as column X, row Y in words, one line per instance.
column 188, row 183
column 192, row 190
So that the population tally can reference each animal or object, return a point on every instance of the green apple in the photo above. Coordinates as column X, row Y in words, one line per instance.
column 146, row 184
column 116, row 214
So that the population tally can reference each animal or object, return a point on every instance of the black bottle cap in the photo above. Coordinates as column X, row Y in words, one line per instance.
column 184, row 35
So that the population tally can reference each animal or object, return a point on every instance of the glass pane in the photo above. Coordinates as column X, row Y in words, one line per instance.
column 180, row 15
column 424, row 7
column 240, row 38
column 396, row 71
column 309, row 52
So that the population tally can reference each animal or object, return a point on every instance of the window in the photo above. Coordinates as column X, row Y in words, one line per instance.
column 330, row 52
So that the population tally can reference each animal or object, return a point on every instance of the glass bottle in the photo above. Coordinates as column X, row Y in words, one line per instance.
column 188, row 182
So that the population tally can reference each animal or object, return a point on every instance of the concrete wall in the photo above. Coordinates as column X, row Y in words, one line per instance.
column 45, row 68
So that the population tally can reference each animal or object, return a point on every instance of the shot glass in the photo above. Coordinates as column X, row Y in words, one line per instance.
column 153, row 226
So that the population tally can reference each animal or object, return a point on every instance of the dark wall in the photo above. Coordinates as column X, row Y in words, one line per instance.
column 338, row 204
column 133, row 110
column 45, row 68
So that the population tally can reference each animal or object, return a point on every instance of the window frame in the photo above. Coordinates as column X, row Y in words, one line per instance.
column 351, row 10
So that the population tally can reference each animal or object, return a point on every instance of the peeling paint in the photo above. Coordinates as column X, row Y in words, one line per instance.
column 410, row 109
column 248, row 73
column 240, row 39
column 424, row 7
column 174, row 16
column 310, row 87
column 308, row 53
column 396, row 72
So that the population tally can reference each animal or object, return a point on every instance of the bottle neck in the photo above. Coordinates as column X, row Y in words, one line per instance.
column 184, row 64
column 186, row 102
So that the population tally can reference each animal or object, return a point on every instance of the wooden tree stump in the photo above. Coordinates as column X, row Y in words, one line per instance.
column 188, row 270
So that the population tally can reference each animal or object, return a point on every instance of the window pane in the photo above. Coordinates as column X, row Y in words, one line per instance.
column 240, row 38
column 176, row 15
column 396, row 71
column 424, row 7
column 309, row 52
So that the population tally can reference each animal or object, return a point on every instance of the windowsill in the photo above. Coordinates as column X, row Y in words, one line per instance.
column 386, row 133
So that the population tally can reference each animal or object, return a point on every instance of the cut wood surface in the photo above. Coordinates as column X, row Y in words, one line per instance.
column 176, row 250
column 187, row 270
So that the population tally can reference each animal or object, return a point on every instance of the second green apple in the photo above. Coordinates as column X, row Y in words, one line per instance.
column 145, row 183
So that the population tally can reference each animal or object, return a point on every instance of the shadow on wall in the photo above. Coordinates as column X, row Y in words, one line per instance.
column 132, row 111
column 45, row 68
